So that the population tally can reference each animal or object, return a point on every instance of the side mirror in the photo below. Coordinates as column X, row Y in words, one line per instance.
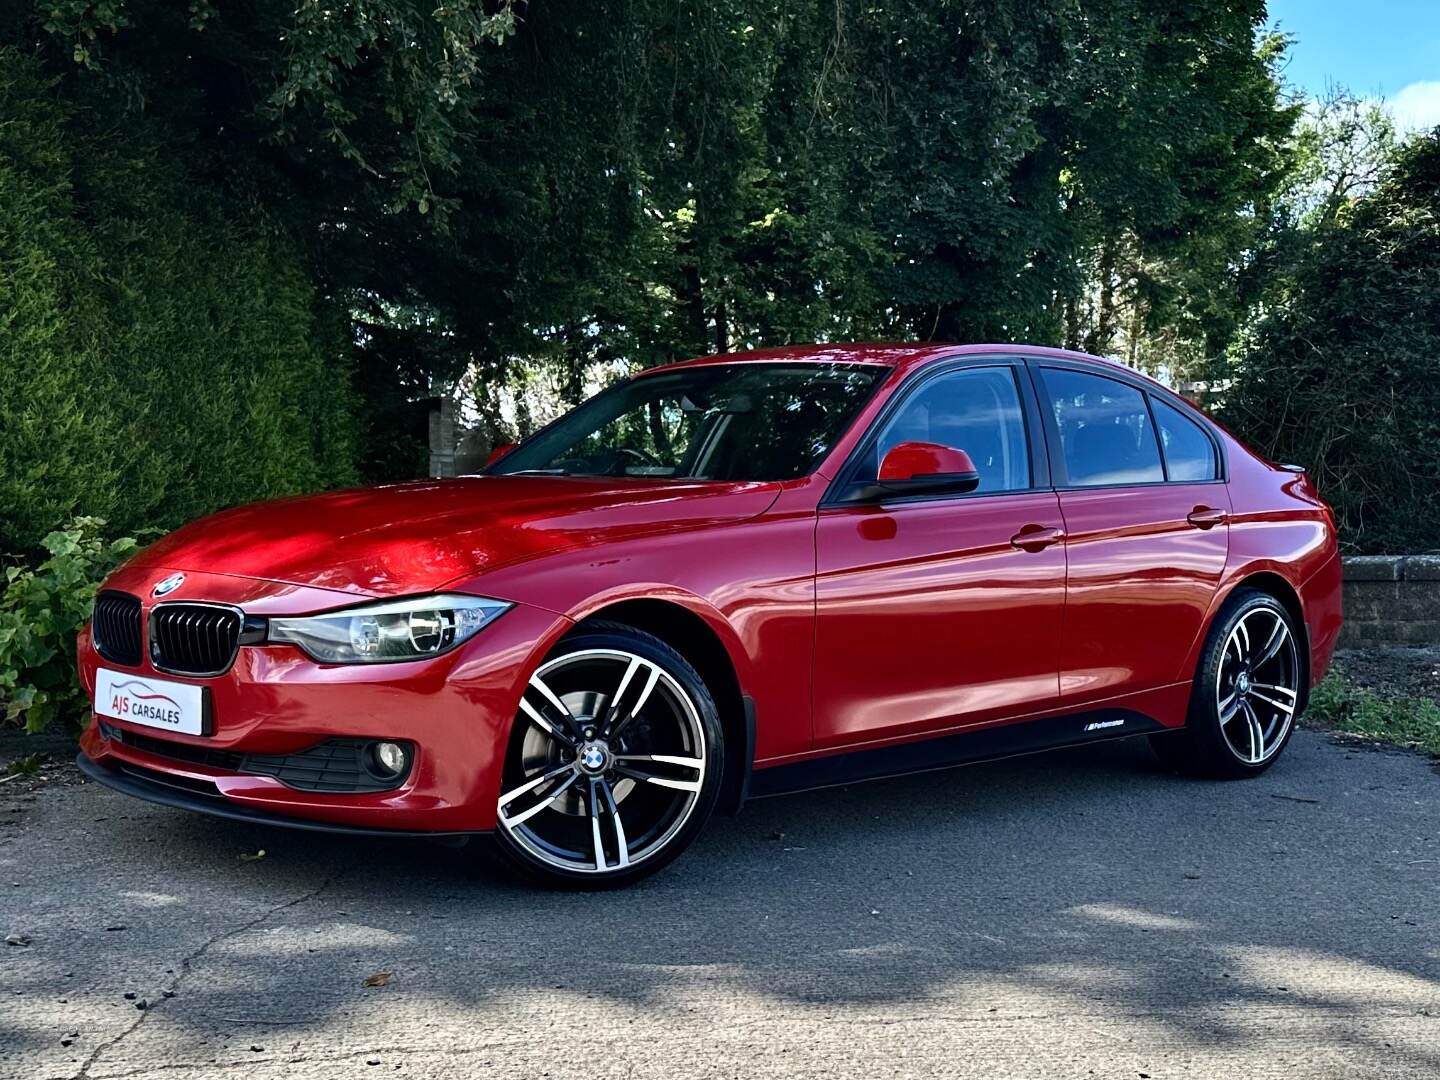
column 923, row 468
column 498, row 451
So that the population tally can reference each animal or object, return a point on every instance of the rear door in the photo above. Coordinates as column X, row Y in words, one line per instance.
column 1139, row 477
column 935, row 612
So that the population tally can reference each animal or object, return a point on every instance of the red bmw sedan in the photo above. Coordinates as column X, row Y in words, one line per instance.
column 720, row 580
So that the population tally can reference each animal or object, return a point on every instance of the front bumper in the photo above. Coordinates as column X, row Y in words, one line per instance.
column 163, row 789
column 456, row 710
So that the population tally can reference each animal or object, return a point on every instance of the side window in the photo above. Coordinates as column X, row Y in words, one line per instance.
column 973, row 409
column 1189, row 454
column 1105, row 432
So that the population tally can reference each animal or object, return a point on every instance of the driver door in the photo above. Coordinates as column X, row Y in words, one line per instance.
column 938, row 612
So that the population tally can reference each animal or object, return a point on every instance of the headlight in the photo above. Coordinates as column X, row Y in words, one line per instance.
column 412, row 629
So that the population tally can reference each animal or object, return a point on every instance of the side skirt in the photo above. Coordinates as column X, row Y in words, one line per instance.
column 947, row 751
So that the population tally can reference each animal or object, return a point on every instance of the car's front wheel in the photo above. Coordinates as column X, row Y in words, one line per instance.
column 614, row 763
column 1247, row 694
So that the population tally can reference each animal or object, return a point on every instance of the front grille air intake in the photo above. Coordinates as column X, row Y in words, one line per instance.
column 194, row 639
column 115, row 628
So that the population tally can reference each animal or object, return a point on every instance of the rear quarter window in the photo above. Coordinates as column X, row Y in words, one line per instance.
column 1189, row 453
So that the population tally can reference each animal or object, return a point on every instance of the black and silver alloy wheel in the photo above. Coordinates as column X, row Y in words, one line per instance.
column 1257, row 684
column 1248, row 692
column 614, row 763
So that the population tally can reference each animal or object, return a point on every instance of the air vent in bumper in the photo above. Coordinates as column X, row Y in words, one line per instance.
column 339, row 766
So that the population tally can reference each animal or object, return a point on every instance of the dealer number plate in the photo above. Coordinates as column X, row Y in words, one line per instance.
column 155, row 703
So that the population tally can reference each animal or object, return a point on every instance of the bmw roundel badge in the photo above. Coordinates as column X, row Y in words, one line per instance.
column 168, row 585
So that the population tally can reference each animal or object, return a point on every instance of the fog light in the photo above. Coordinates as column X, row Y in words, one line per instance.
column 390, row 758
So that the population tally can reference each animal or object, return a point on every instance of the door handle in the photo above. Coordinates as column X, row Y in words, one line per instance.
column 1036, row 537
column 1205, row 517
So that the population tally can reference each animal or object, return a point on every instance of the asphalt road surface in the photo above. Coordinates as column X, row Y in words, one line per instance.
column 1069, row 915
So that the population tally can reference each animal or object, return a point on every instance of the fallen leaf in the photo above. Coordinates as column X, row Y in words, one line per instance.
column 380, row 978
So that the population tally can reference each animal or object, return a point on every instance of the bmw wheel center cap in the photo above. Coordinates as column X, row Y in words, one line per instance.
column 593, row 757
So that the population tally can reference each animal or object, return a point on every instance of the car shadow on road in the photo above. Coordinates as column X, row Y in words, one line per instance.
column 1085, row 882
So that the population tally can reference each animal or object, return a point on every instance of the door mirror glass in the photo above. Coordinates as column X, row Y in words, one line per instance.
column 926, row 468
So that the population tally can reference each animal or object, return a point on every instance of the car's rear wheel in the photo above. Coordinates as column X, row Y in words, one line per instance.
column 1247, row 693
column 614, row 763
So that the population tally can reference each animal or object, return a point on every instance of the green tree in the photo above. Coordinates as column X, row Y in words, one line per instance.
column 574, row 182
column 1343, row 374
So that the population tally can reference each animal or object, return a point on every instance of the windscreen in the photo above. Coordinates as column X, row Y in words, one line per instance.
column 754, row 421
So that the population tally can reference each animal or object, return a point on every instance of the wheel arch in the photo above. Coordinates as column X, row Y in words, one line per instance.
column 1274, row 584
column 698, row 641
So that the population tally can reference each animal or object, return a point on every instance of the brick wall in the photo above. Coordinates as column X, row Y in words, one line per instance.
column 1393, row 599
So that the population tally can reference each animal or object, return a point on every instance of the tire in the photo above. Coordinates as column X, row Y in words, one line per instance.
column 614, row 762
column 1248, row 692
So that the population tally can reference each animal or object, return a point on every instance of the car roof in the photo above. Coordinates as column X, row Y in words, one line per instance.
column 899, row 355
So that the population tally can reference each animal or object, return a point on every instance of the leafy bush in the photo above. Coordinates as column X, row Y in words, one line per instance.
column 41, row 611
column 164, row 352
column 1344, row 377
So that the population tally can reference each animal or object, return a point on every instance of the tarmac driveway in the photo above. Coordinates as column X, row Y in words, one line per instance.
column 1073, row 914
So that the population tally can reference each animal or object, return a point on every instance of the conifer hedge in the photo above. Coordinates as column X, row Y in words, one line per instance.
column 160, row 356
